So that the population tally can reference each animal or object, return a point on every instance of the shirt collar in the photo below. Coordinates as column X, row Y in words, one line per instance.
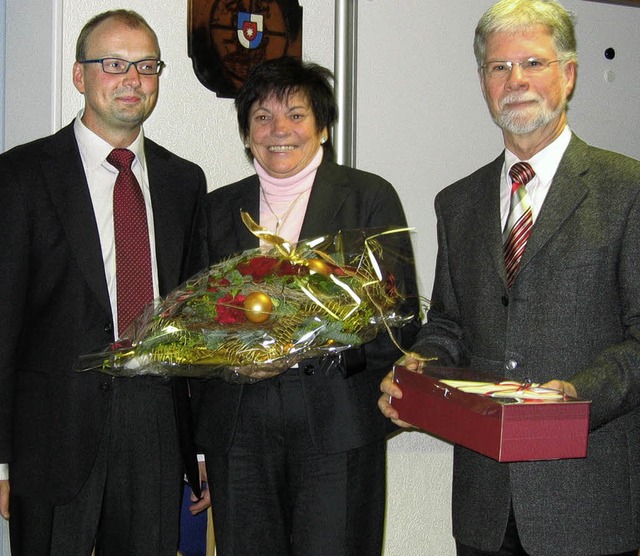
column 94, row 150
column 544, row 163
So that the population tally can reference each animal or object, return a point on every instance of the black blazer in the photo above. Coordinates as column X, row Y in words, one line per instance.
column 573, row 313
column 342, row 413
column 55, row 304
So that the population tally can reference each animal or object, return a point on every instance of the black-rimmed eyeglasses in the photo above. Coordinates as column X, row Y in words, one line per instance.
column 118, row 65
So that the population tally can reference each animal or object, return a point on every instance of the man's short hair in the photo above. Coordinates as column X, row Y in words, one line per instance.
column 130, row 18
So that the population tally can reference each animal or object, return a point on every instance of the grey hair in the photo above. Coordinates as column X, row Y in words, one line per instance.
column 512, row 16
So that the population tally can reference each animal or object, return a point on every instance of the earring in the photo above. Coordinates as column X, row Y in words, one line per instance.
column 323, row 140
column 246, row 145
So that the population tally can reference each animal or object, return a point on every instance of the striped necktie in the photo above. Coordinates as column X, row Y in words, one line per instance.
column 134, row 280
column 520, row 221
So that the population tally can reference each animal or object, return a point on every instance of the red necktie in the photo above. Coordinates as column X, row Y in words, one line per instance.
column 520, row 221
column 133, row 254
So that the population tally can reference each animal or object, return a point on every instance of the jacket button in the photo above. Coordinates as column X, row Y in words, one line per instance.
column 511, row 365
column 108, row 327
column 105, row 386
column 505, row 300
column 309, row 370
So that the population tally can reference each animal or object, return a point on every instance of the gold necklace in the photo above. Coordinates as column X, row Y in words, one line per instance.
column 280, row 220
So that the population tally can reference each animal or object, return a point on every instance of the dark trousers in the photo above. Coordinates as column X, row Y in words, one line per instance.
column 511, row 545
column 274, row 494
column 130, row 504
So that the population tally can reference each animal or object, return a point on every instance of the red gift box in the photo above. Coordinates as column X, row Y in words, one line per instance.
column 505, row 429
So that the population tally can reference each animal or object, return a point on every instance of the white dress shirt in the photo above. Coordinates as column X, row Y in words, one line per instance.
column 544, row 164
column 101, row 177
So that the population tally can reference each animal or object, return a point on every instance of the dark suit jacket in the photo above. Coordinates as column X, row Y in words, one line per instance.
column 573, row 313
column 342, row 414
column 55, row 304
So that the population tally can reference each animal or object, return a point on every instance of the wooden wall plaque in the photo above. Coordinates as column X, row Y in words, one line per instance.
column 228, row 37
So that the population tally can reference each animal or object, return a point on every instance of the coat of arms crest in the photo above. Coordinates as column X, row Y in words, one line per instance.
column 228, row 37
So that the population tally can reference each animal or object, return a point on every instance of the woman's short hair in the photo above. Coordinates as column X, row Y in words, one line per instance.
column 282, row 77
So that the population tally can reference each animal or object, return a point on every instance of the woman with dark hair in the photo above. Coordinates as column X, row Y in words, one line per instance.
column 296, row 463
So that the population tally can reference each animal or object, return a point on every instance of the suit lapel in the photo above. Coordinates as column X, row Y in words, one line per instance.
column 487, row 214
column 247, row 201
column 167, row 226
column 67, row 185
column 565, row 195
column 326, row 199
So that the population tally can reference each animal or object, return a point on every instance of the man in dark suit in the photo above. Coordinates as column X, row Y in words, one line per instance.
column 92, row 460
column 564, row 312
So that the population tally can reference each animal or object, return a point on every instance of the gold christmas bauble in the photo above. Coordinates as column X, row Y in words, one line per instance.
column 319, row 266
column 258, row 307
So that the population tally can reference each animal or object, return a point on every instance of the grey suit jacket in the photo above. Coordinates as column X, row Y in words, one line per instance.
column 573, row 313
column 342, row 413
column 55, row 305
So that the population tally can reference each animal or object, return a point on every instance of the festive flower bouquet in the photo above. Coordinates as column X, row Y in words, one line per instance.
column 257, row 314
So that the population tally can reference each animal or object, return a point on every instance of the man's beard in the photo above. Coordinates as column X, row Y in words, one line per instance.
column 520, row 122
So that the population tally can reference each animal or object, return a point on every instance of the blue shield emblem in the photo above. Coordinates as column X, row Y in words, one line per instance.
column 249, row 29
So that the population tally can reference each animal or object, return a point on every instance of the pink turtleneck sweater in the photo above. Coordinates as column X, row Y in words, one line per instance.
column 283, row 201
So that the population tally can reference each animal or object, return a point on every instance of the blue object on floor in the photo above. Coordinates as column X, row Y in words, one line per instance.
column 193, row 528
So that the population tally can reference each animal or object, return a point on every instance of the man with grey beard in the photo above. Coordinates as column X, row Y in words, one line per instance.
column 536, row 279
